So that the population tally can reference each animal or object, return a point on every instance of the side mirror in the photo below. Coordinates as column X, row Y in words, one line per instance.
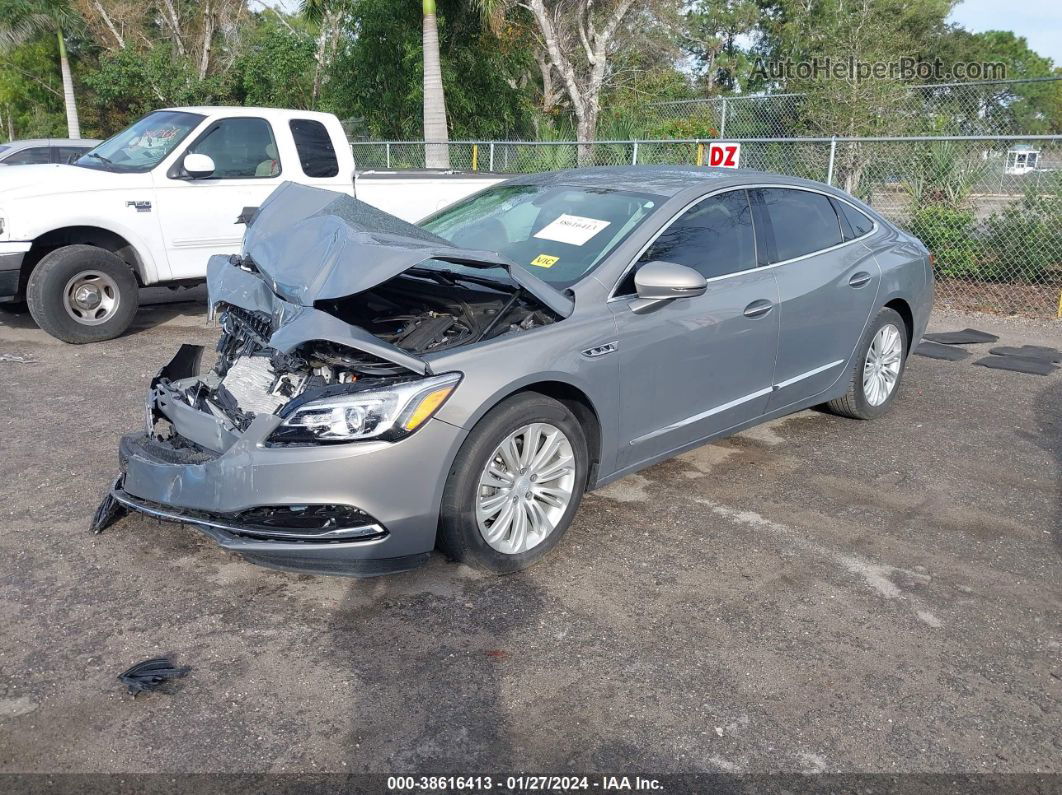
column 198, row 166
column 658, row 282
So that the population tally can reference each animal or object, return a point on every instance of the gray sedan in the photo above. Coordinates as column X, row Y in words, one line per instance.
column 383, row 389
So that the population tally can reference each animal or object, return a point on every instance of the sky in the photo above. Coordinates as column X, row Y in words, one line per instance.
column 1039, row 21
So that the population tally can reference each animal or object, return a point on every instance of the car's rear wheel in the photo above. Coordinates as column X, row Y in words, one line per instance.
column 82, row 294
column 515, row 485
column 876, row 370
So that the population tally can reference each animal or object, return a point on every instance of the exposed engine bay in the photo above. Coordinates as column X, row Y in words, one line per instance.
column 420, row 312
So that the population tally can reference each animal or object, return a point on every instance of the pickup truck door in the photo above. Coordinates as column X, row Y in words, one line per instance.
column 198, row 216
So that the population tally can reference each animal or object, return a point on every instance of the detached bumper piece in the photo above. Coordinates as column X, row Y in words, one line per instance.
column 304, row 523
column 302, row 538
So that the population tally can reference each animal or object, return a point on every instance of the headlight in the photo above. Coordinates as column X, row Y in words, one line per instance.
column 390, row 413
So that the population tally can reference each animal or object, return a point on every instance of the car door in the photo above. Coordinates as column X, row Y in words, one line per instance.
column 198, row 216
column 696, row 366
column 827, row 285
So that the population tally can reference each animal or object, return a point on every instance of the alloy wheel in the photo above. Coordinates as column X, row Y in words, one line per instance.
column 525, row 488
column 881, row 369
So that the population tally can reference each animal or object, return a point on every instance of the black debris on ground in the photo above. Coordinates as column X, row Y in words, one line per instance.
column 107, row 513
column 1037, row 352
column 1017, row 365
column 968, row 336
column 151, row 674
column 938, row 350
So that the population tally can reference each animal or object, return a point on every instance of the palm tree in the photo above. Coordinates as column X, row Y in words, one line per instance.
column 435, row 156
column 21, row 20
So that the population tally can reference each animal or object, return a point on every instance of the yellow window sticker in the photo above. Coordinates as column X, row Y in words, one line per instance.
column 545, row 261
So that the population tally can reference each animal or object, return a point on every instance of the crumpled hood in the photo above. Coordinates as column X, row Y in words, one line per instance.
column 313, row 244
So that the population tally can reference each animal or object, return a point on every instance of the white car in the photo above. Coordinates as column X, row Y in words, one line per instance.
column 152, row 204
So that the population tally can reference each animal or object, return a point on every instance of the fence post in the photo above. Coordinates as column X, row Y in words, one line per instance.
column 490, row 166
column 700, row 153
column 634, row 154
column 722, row 123
column 833, row 152
column 475, row 157
column 387, row 147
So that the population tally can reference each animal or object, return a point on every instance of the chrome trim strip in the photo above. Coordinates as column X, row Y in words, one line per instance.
column 703, row 415
column 614, row 297
column 251, row 535
column 733, row 403
column 808, row 374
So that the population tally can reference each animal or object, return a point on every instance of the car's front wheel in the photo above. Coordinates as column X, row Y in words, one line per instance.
column 876, row 370
column 515, row 485
column 82, row 293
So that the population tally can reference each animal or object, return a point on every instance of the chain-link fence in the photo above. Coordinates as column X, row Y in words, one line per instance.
column 989, row 208
column 994, row 107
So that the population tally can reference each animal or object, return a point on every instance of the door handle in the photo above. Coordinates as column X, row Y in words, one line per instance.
column 859, row 279
column 758, row 308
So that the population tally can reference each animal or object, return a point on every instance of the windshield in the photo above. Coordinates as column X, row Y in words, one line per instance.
column 144, row 145
column 557, row 232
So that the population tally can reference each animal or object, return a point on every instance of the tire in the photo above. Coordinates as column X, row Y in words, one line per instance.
column 856, row 402
column 54, row 304
column 461, row 536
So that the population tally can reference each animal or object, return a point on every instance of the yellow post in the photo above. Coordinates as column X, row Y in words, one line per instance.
column 1060, row 303
column 700, row 154
column 475, row 157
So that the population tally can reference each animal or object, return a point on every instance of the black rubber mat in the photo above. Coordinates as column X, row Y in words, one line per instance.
column 1030, row 366
column 1037, row 352
column 968, row 336
column 935, row 350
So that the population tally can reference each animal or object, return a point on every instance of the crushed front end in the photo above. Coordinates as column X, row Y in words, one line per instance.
column 311, row 443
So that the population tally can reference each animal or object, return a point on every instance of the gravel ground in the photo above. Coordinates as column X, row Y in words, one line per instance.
column 816, row 594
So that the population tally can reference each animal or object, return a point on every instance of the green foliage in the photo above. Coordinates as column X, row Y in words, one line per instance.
column 1023, row 243
column 31, row 93
column 276, row 67
column 949, row 233
column 128, row 84
column 945, row 172
column 379, row 78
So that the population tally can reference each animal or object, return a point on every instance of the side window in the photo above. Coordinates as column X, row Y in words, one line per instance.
column 715, row 237
column 68, row 154
column 860, row 224
column 802, row 222
column 29, row 157
column 314, row 145
column 240, row 149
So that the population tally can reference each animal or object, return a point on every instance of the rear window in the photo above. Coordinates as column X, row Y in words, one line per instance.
column 317, row 156
column 859, row 223
column 34, row 155
column 803, row 222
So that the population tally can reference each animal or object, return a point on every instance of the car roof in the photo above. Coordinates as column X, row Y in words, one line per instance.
column 240, row 110
column 662, row 180
column 28, row 142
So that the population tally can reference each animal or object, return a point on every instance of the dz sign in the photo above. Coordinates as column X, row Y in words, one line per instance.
column 724, row 155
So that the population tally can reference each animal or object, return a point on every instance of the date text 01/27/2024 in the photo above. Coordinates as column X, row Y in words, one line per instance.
column 523, row 783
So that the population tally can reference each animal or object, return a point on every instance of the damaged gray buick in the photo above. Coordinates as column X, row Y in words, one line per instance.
column 381, row 389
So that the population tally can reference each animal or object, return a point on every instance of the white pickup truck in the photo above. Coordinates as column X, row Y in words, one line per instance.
column 153, row 203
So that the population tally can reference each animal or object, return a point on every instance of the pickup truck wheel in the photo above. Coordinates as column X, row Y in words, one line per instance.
column 82, row 294
column 514, row 486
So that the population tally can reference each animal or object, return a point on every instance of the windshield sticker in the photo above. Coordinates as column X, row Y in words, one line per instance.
column 571, row 229
column 545, row 261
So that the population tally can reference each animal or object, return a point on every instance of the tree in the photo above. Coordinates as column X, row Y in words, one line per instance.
column 435, row 129
column 580, row 39
column 21, row 20
column 713, row 30
column 378, row 75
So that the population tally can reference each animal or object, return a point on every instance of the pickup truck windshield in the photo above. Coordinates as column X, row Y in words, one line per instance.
column 557, row 232
column 144, row 145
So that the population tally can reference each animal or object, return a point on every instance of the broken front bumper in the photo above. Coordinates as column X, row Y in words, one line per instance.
column 361, row 508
